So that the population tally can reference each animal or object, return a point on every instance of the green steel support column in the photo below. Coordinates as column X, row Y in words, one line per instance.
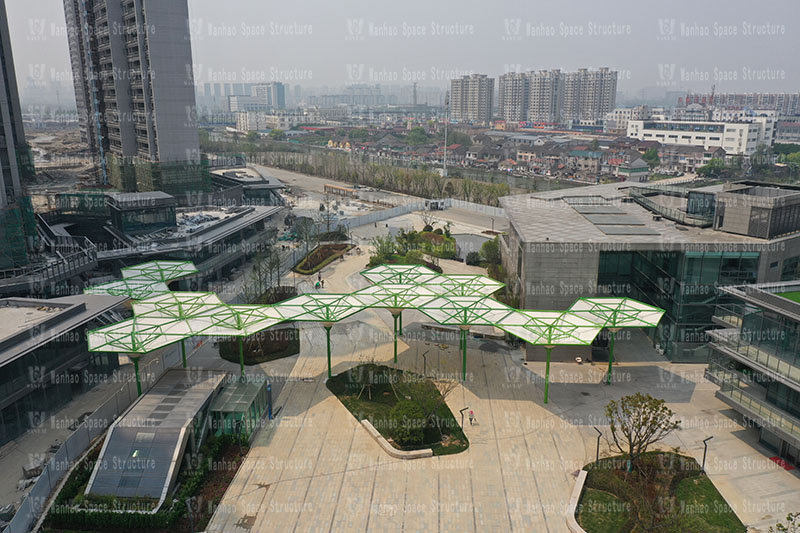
column 395, row 337
column 135, row 359
column 547, row 373
column 328, row 338
column 183, row 353
column 241, row 357
column 610, row 356
column 400, row 326
column 464, row 354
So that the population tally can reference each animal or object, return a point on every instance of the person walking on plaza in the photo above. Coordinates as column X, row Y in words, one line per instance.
column 471, row 417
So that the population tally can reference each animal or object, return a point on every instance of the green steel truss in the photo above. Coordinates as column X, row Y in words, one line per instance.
column 145, row 280
column 162, row 317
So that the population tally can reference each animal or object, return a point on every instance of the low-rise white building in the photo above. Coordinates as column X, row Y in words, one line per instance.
column 616, row 121
column 736, row 138
column 261, row 121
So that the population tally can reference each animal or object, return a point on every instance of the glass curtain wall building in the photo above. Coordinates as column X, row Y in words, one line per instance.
column 684, row 284
column 756, row 361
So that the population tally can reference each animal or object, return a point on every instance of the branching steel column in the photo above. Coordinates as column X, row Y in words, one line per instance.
column 463, row 354
column 241, row 357
column 327, row 326
column 394, row 317
column 547, row 372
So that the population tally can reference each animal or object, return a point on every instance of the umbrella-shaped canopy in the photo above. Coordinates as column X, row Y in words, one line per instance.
column 469, row 285
column 468, row 311
column 400, row 274
column 553, row 328
column 395, row 295
column 319, row 307
column 617, row 312
column 145, row 280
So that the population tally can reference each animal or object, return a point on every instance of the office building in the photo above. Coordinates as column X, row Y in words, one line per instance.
column 272, row 94
column 134, row 88
column 44, row 361
column 736, row 138
column 262, row 121
column 785, row 104
column 756, row 361
column 667, row 246
column 787, row 132
column 471, row 99
column 616, row 122
column 16, row 161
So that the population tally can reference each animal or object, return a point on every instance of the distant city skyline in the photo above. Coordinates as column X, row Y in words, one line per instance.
column 430, row 44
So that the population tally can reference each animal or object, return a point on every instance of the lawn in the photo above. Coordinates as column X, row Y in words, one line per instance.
column 791, row 295
column 320, row 257
column 602, row 512
column 371, row 391
column 262, row 347
column 666, row 492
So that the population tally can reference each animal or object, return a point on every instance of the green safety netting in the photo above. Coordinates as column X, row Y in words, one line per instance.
column 162, row 317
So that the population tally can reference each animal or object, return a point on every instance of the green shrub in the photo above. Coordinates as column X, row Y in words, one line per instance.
column 427, row 227
column 438, row 231
column 497, row 272
column 407, row 423
column 473, row 258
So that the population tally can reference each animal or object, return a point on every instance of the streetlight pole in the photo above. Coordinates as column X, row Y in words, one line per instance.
column 597, row 453
column 135, row 359
column 705, row 450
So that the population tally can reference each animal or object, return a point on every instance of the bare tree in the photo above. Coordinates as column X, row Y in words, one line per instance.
column 428, row 218
column 638, row 421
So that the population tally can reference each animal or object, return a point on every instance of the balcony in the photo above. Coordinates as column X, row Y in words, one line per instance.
column 730, row 343
column 765, row 414
column 729, row 315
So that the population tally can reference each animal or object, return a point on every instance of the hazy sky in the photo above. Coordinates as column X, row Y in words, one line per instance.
column 738, row 45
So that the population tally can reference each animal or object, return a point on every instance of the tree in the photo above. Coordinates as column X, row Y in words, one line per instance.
column 473, row 258
column 428, row 219
column 274, row 267
column 761, row 158
column 277, row 135
column 384, row 246
column 407, row 423
column 457, row 137
column 306, row 232
column 638, row 421
column 594, row 145
column 417, row 136
column 713, row 169
column 792, row 525
column 490, row 252
column 252, row 136
column 651, row 157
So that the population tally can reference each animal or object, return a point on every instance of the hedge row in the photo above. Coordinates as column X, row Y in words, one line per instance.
column 65, row 516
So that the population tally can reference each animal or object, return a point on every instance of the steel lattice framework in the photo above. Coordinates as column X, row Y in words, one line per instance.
column 162, row 317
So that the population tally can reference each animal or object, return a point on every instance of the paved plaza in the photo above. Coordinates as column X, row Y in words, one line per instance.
column 317, row 469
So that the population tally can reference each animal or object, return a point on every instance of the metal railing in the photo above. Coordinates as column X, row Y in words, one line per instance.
column 78, row 442
column 734, row 342
column 640, row 196
column 769, row 414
